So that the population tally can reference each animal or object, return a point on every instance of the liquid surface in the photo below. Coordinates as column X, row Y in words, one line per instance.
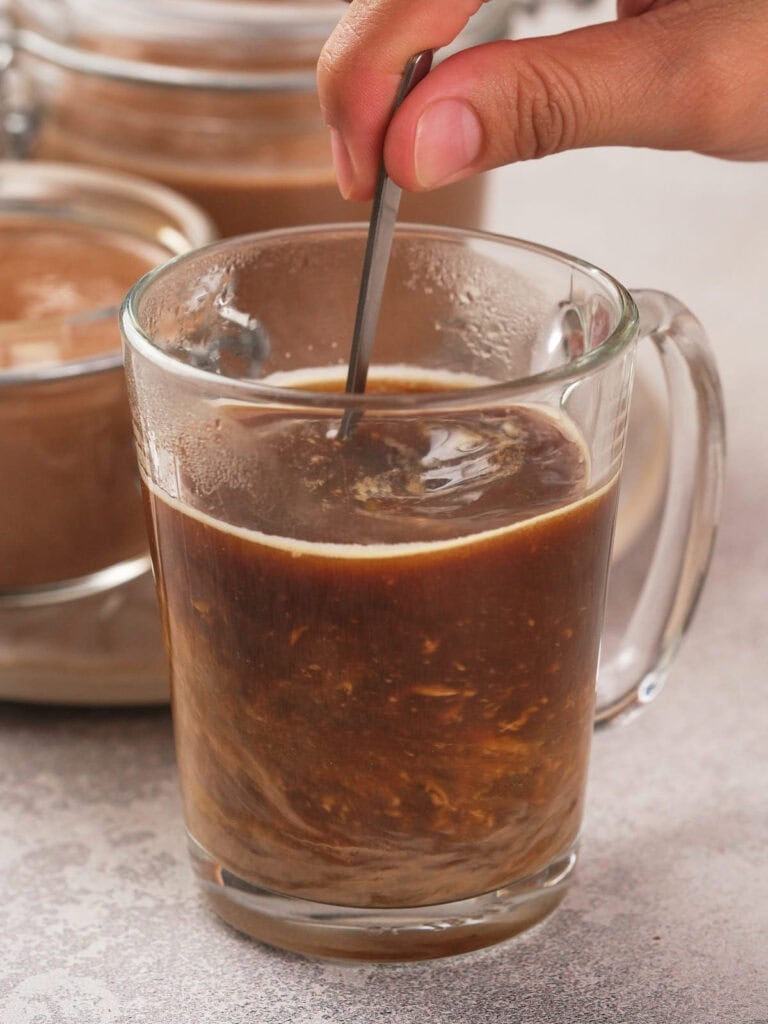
column 395, row 708
column 404, row 481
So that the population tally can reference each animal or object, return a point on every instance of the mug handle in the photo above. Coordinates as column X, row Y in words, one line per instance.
column 638, row 669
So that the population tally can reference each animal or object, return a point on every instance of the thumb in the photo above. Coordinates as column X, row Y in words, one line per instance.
column 664, row 80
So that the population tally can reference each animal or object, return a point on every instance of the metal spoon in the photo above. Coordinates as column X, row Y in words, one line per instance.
column 386, row 202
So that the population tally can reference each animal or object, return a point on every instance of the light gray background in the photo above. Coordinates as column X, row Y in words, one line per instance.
column 668, row 919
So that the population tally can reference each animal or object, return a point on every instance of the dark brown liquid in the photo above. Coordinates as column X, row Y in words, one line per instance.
column 70, row 503
column 367, row 721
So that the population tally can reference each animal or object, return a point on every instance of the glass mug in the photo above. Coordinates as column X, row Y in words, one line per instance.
column 384, row 648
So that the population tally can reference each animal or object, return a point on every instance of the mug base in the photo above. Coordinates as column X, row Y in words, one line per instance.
column 384, row 935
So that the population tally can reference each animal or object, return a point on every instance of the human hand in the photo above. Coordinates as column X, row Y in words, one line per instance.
column 668, row 74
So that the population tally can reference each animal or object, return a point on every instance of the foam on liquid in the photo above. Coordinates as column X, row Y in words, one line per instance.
column 419, row 379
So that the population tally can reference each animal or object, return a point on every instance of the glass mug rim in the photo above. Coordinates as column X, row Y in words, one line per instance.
column 612, row 347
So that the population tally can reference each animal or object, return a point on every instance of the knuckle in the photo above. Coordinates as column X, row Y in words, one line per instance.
column 327, row 71
column 547, row 110
column 337, row 63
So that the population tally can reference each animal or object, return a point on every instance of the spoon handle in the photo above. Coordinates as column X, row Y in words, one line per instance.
column 386, row 202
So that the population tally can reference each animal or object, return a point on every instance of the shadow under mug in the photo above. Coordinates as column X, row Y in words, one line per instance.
column 384, row 649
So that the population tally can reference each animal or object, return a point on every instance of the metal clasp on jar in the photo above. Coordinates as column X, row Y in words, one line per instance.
column 20, row 106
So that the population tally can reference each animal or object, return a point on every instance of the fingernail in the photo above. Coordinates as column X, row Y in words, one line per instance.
column 342, row 163
column 449, row 138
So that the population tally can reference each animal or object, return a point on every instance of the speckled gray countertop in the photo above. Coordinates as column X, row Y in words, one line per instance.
column 667, row 921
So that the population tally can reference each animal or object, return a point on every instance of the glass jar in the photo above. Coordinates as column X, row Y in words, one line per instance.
column 76, row 605
column 226, row 112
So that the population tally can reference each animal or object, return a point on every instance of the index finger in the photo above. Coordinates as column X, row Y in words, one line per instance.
column 360, row 68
